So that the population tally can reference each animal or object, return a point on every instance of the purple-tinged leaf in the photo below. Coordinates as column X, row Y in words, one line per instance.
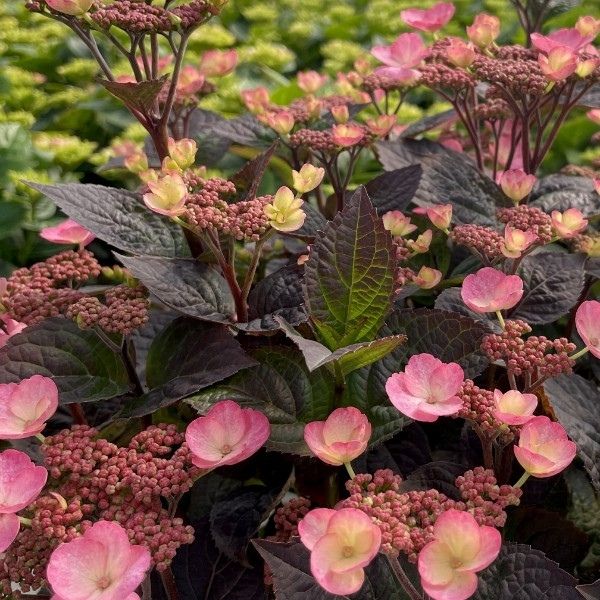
column 248, row 179
column 394, row 190
column 139, row 96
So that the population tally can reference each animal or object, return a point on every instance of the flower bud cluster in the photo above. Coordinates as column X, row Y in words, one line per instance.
column 481, row 240
column 528, row 218
column 478, row 407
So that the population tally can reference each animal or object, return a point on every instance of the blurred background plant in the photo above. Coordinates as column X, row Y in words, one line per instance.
column 58, row 124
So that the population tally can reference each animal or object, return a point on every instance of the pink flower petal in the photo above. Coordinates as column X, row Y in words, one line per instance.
column 9, row 529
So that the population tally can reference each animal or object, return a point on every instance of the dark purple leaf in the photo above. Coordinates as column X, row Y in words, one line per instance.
column 394, row 190
column 139, row 96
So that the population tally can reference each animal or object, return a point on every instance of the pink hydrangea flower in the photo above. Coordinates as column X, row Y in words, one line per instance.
column 341, row 438
column 21, row 481
column 167, row 196
column 26, row 406
column 70, row 7
column 513, row 407
column 594, row 115
column 406, row 52
column 427, row 278
column 427, row 388
column 567, row 38
column 440, row 215
column 256, row 100
column 347, row 134
column 68, row 232
column 9, row 529
column 190, row 81
column 587, row 322
column 100, row 565
column 311, row 81
column 342, row 543
column 568, row 224
column 484, row 30
column 544, row 448
column 490, row 290
column 516, row 184
column 587, row 25
column 517, row 241
column 9, row 328
column 460, row 53
column 226, row 435
column 216, row 63
column 559, row 63
column 448, row 565
column 430, row 19
column 397, row 223
column 381, row 125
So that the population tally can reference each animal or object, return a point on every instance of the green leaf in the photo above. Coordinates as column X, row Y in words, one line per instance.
column 349, row 278
column 82, row 366
column 13, row 215
column 281, row 387
column 186, row 357
column 185, row 285
column 118, row 217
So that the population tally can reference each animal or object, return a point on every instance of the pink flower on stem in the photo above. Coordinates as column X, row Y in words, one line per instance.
column 406, row 52
column 26, row 406
column 427, row 278
column 426, row 389
column 569, row 38
column 559, row 63
column 513, row 407
column 347, row 134
column 341, row 114
column 448, row 565
column 588, row 26
column 490, row 290
column 430, row 19
column 311, row 81
column 256, row 100
column 517, row 241
column 587, row 322
column 544, row 448
column 226, row 435
column 381, row 125
column 190, row 81
column 167, row 196
column 440, row 216
column 422, row 243
column 68, row 232
column 8, row 328
column 341, row 543
column 100, row 565
column 397, row 223
column 281, row 122
column 460, row 54
column 70, row 7
column 516, row 184
column 484, row 30
column 568, row 224
column 216, row 63
column 341, row 438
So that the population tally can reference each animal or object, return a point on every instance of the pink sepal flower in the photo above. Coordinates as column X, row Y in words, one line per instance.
column 490, row 290
column 100, row 565
column 461, row 548
column 517, row 241
column 516, row 184
column 559, row 63
column 587, row 322
column 381, row 125
column 167, row 196
column 216, row 63
column 460, row 53
column 440, row 215
column 430, row 19
column 567, row 38
column 484, row 30
column 68, row 232
column 406, row 52
column 256, row 100
column 226, row 435
column 70, row 7
column 427, row 278
column 568, row 224
column 341, row 438
column 513, row 407
column 342, row 543
column 9, row 529
column 347, row 134
column 544, row 448
column 21, row 481
column 588, row 26
column 311, row 81
column 9, row 328
column 397, row 223
column 427, row 388
column 26, row 406
column 190, row 81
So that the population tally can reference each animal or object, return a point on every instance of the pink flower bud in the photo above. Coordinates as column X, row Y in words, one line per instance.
column 544, row 448
column 226, row 435
column 517, row 241
column 460, row 54
column 587, row 321
column 513, row 407
column 340, row 113
column 568, row 224
column 190, row 81
column 256, row 100
column 281, row 121
column 397, row 223
column 427, row 388
column 422, row 243
column 349, row 542
column 216, row 63
column 588, row 26
column 307, row 178
column 406, row 52
column 313, row 106
column 460, row 549
column 68, row 232
column 427, row 278
column 70, row 7
column 594, row 115
column 484, row 30
column 516, row 184
column 167, row 195
column 102, row 564
column 440, row 215
column 285, row 212
column 21, row 481
column 9, row 529
column 311, row 81
column 8, row 328
column 558, row 64
column 347, row 135
column 341, row 438
column 381, row 125
column 490, row 290
column 183, row 152
column 430, row 19
column 26, row 406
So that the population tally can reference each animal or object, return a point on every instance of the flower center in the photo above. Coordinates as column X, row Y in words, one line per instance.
column 226, row 449
column 347, row 551
column 103, row 582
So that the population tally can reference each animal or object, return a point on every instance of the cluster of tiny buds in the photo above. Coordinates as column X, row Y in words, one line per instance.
column 478, row 407
column 527, row 218
column 517, row 76
column 483, row 241
column 437, row 75
column 288, row 516
column 321, row 141
column 375, row 81
column 536, row 356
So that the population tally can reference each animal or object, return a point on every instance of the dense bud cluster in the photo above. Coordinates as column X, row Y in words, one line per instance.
column 516, row 76
column 287, row 518
column 438, row 75
column 134, row 16
column 478, row 406
column 313, row 139
column 406, row 519
column 527, row 218
column 536, row 356
column 481, row 240
column 92, row 479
